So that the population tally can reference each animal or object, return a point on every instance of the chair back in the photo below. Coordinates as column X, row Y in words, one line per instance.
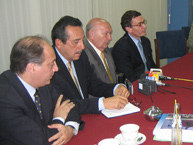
column 170, row 44
column 186, row 31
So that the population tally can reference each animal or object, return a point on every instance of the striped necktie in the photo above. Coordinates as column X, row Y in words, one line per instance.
column 142, row 55
column 72, row 75
column 38, row 103
column 106, row 66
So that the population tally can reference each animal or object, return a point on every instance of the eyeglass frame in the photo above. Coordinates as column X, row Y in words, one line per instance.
column 134, row 102
column 140, row 24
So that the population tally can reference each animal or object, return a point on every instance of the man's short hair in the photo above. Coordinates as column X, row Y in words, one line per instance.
column 26, row 50
column 58, row 31
column 127, row 17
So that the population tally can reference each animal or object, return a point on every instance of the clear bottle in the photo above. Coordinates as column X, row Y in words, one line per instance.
column 176, row 134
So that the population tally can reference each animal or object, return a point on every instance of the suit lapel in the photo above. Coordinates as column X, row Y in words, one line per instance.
column 80, row 74
column 110, row 63
column 100, row 63
column 46, row 105
column 21, row 91
column 136, row 51
column 64, row 73
column 95, row 56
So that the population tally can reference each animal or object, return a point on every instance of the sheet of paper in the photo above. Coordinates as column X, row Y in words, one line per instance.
column 129, row 109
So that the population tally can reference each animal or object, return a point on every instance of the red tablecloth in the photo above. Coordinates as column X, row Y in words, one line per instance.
column 98, row 127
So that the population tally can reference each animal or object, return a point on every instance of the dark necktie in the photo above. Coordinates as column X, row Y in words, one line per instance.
column 106, row 66
column 38, row 103
column 142, row 54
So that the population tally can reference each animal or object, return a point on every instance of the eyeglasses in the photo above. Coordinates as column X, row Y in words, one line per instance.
column 134, row 102
column 140, row 24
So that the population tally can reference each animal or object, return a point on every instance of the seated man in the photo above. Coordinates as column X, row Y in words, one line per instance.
column 132, row 53
column 33, row 118
column 75, row 74
column 98, row 32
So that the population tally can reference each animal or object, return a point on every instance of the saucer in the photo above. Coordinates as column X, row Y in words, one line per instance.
column 109, row 141
column 119, row 136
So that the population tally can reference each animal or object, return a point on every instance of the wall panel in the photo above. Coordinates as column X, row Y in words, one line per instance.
column 19, row 18
column 155, row 12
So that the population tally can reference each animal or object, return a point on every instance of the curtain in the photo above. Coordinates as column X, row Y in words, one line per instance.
column 19, row 18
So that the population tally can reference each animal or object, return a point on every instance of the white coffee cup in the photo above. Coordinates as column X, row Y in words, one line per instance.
column 109, row 141
column 129, row 132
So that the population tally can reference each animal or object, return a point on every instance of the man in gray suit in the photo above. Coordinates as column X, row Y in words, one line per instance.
column 98, row 32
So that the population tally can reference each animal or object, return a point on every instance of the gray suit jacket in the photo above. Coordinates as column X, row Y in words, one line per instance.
column 97, row 64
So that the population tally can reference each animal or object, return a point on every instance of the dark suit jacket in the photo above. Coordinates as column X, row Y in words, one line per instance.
column 97, row 64
column 127, row 57
column 89, row 82
column 19, row 119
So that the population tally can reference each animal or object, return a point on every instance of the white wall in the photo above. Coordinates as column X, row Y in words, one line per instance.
column 19, row 18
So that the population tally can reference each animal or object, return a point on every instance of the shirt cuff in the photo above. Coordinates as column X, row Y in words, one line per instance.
column 75, row 125
column 101, row 104
column 59, row 118
column 117, row 86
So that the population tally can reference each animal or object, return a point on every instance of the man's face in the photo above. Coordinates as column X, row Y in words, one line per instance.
column 45, row 71
column 74, row 45
column 138, row 27
column 101, row 35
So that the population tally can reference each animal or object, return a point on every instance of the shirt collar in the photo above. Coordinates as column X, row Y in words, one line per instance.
column 31, row 90
column 64, row 60
column 134, row 39
column 97, row 50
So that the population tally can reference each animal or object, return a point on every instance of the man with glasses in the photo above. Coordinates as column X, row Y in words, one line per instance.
column 132, row 53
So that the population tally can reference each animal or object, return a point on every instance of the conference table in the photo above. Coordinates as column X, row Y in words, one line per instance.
column 98, row 127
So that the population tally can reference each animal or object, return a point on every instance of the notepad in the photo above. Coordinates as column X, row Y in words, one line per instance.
column 128, row 109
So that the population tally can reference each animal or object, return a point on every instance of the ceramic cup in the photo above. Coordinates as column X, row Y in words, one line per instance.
column 129, row 133
column 109, row 141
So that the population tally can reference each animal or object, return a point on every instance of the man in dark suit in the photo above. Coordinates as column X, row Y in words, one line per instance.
column 76, row 73
column 29, row 119
column 132, row 53
column 98, row 32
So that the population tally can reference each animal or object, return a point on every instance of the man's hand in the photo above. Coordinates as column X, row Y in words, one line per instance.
column 65, row 133
column 115, row 102
column 121, row 90
column 62, row 109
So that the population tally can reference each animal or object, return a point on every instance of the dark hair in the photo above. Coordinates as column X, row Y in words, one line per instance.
column 127, row 18
column 26, row 50
column 58, row 31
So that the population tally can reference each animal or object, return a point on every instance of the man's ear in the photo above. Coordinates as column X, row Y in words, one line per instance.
column 91, row 34
column 30, row 67
column 58, row 43
column 128, row 29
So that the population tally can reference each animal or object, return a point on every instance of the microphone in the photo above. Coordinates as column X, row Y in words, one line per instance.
column 158, row 83
column 165, row 78
column 161, row 84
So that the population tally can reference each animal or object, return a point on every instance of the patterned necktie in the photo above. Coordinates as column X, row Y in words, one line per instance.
column 142, row 54
column 106, row 66
column 38, row 103
column 72, row 75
